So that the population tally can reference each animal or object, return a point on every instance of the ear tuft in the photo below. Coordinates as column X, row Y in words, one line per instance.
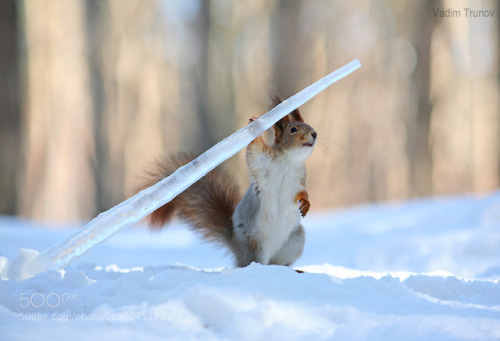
column 294, row 116
column 275, row 98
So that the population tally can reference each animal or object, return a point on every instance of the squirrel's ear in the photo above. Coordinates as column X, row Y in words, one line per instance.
column 296, row 116
column 279, row 128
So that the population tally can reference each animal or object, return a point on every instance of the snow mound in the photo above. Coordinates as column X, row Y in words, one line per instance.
column 419, row 270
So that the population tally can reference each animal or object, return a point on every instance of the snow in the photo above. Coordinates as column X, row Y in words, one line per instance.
column 426, row 269
column 143, row 203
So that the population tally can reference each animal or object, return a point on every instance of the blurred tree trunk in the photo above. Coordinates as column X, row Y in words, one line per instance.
column 205, row 137
column 10, row 117
column 58, row 182
column 287, row 47
column 251, row 69
column 419, row 124
column 220, row 61
column 95, row 17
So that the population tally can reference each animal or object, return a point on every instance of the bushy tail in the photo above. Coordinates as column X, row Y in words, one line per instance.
column 207, row 206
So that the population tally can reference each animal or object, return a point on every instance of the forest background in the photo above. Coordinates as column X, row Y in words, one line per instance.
column 93, row 92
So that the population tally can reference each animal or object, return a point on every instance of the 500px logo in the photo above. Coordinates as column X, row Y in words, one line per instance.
column 51, row 300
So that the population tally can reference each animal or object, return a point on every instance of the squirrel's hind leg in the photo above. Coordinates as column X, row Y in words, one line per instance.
column 248, row 249
column 291, row 250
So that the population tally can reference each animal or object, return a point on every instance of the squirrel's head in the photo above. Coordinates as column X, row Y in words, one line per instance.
column 292, row 134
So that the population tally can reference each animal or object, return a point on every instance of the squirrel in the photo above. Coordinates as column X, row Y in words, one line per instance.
column 263, row 225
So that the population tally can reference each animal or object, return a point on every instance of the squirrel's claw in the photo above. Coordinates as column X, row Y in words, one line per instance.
column 251, row 119
column 304, row 206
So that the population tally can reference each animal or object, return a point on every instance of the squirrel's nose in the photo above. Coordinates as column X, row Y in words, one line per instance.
column 314, row 135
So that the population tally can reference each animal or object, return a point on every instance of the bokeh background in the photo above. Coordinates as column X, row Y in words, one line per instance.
column 92, row 92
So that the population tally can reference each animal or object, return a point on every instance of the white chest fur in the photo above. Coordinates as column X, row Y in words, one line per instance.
column 278, row 215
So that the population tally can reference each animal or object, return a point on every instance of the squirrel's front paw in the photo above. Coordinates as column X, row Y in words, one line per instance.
column 304, row 206
column 303, row 200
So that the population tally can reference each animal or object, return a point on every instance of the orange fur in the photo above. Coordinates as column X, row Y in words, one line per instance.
column 303, row 199
column 207, row 205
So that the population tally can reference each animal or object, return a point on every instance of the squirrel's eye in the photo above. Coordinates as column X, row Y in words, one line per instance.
column 293, row 130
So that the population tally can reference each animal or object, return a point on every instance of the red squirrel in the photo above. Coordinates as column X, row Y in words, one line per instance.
column 263, row 226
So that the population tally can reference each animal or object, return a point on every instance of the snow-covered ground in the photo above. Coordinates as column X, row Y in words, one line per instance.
column 424, row 270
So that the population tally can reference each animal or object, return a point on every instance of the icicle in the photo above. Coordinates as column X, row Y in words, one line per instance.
column 140, row 205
